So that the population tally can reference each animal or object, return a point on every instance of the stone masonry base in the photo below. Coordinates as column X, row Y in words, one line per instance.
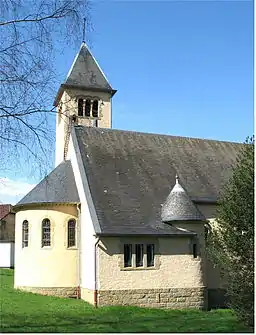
column 174, row 298
column 67, row 292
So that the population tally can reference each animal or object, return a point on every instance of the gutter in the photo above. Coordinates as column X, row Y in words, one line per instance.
column 95, row 273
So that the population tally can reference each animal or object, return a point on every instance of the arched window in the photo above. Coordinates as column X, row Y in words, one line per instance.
column 80, row 107
column 95, row 106
column 25, row 234
column 87, row 107
column 71, row 233
column 46, row 233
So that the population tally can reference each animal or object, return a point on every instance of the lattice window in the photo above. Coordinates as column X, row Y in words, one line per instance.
column 71, row 233
column 25, row 234
column 46, row 233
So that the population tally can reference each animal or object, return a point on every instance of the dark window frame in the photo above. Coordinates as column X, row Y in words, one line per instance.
column 46, row 233
column 25, row 234
column 80, row 107
column 71, row 233
column 87, row 108
column 195, row 250
column 95, row 108
column 150, row 248
column 139, row 255
column 127, row 255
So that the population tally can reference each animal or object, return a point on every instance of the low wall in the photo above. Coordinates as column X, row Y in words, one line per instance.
column 66, row 292
column 175, row 298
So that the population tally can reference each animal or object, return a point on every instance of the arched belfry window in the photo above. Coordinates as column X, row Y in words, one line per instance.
column 46, row 233
column 95, row 106
column 87, row 107
column 71, row 233
column 80, row 107
column 25, row 234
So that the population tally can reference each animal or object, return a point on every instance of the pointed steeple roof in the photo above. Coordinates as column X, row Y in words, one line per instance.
column 179, row 207
column 85, row 73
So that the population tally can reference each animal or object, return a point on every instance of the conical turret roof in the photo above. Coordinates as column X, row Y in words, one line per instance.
column 179, row 207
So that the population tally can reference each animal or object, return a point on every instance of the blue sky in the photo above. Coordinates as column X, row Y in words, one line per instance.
column 180, row 67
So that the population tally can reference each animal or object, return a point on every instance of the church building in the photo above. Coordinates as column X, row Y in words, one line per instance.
column 123, row 218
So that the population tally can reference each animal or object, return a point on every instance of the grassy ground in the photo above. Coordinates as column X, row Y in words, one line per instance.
column 27, row 312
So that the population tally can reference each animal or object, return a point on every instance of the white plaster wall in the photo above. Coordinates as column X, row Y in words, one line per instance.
column 6, row 254
column 37, row 266
column 87, row 232
column 61, row 127
column 177, row 267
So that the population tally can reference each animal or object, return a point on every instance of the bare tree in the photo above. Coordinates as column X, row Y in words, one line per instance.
column 31, row 32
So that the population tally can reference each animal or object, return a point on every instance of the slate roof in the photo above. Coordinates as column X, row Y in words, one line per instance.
column 179, row 207
column 86, row 72
column 58, row 187
column 130, row 175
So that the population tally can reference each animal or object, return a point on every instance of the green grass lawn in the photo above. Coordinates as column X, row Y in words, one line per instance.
column 28, row 312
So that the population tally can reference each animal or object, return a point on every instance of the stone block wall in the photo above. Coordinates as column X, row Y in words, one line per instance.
column 174, row 298
column 65, row 292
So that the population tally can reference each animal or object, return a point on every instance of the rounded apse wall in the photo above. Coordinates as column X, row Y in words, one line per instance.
column 45, row 262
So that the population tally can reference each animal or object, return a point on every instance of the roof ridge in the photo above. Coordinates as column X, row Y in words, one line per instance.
column 154, row 134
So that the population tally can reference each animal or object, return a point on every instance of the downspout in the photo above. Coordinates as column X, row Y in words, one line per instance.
column 78, row 292
column 95, row 273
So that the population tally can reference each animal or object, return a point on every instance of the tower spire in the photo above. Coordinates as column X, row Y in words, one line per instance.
column 84, row 30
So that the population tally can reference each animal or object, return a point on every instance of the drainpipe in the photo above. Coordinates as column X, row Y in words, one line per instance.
column 95, row 273
column 78, row 292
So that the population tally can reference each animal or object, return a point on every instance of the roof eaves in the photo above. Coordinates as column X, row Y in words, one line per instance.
column 70, row 86
column 18, row 206
column 156, row 234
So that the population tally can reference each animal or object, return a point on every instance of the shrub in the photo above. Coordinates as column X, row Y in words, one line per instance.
column 231, row 242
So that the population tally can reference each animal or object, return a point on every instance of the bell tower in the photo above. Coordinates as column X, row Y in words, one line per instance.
column 83, row 99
